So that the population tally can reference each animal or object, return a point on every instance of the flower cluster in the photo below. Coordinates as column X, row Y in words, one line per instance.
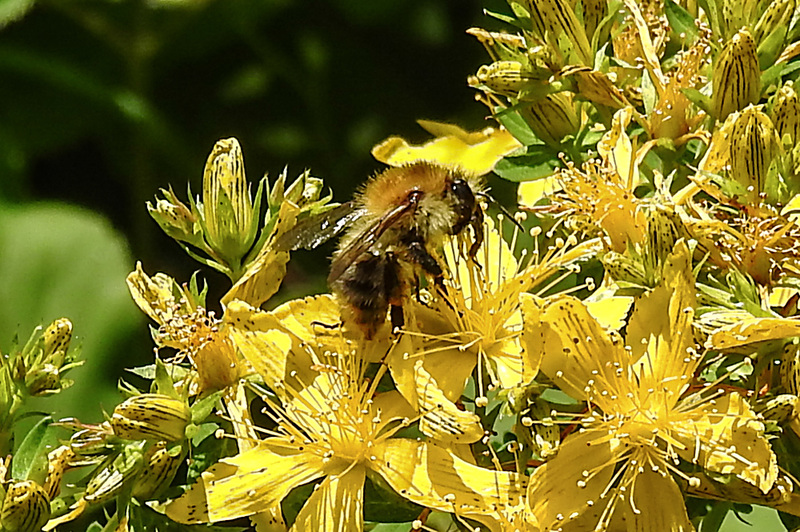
column 620, row 353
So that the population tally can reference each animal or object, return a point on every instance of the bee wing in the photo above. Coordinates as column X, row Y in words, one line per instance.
column 318, row 229
column 362, row 242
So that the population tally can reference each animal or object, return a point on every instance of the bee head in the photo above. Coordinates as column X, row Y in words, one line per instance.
column 465, row 204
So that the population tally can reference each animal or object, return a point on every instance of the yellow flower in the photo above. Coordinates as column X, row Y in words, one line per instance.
column 186, row 326
column 476, row 320
column 673, row 116
column 332, row 428
column 619, row 466
column 762, row 245
column 475, row 152
column 596, row 197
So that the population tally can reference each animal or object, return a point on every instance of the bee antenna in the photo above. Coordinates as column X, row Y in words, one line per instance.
column 490, row 199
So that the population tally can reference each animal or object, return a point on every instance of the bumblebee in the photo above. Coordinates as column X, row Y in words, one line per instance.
column 403, row 215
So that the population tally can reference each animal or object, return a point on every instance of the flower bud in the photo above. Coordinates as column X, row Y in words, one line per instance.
column 737, row 76
column 777, row 15
column 551, row 118
column 151, row 416
column 43, row 380
column 622, row 268
column 90, row 446
column 109, row 480
column 553, row 18
column 786, row 113
column 56, row 341
column 779, row 409
column 58, row 461
column 175, row 218
column 664, row 227
column 160, row 466
column 230, row 227
column 43, row 360
column 304, row 190
column 790, row 368
column 26, row 507
column 752, row 150
column 506, row 77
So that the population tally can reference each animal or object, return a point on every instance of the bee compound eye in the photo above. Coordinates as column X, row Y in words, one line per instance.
column 463, row 193
column 464, row 203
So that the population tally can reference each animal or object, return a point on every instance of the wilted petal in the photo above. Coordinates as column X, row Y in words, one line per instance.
column 751, row 330
column 152, row 294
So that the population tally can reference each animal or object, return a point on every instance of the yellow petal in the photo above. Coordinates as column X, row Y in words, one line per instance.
column 532, row 333
column 305, row 317
column 568, row 487
column 265, row 273
column 666, row 314
column 436, row 478
column 615, row 147
column 192, row 507
column 576, row 346
column 530, row 192
column 714, row 429
column 392, row 405
column 475, row 152
column 611, row 312
column 752, row 330
column 659, row 503
column 262, row 478
column 496, row 267
column 441, row 418
column 336, row 505
column 259, row 337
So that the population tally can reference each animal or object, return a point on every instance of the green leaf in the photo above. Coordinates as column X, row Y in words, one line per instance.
column 202, row 409
column 537, row 163
column 698, row 98
column 30, row 460
column 774, row 73
column 682, row 23
column 382, row 504
column 13, row 10
column 517, row 126
column 771, row 47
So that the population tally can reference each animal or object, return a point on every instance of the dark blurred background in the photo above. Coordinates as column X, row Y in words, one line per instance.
column 103, row 102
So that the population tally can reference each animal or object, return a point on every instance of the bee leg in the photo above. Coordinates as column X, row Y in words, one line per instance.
column 477, row 227
column 329, row 326
column 418, row 253
column 397, row 317
column 416, row 286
